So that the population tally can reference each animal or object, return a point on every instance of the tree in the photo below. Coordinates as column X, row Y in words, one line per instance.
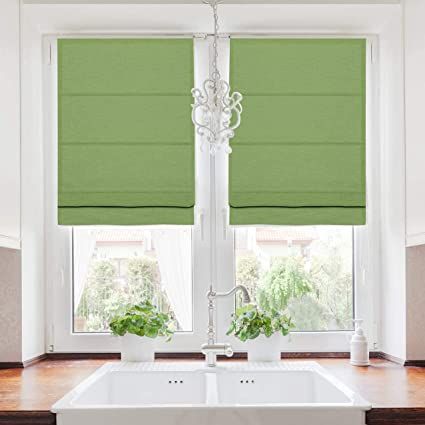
column 100, row 299
column 334, row 288
column 308, row 313
column 286, row 279
column 144, row 284
column 316, row 291
column 104, row 296
column 332, row 278
column 247, row 274
column 143, row 279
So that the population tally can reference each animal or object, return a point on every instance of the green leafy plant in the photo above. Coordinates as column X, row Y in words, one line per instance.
column 143, row 319
column 249, row 322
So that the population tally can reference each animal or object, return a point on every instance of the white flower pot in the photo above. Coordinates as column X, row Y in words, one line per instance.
column 136, row 348
column 263, row 349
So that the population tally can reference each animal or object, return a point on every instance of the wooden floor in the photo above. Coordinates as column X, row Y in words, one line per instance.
column 386, row 385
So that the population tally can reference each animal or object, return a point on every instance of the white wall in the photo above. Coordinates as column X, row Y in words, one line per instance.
column 10, row 231
column 32, row 187
column 9, row 125
column 415, row 135
column 21, row 196
column 393, row 282
column 414, row 18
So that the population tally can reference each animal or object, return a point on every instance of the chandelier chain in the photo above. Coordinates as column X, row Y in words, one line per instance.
column 216, row 73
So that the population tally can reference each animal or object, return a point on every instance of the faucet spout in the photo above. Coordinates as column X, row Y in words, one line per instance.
column 211, row 294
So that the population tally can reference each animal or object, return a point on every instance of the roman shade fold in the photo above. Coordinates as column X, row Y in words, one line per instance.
column 299, row 155
column 126, row 141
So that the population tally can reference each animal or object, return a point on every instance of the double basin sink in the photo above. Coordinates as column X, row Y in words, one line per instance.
column 290, row 393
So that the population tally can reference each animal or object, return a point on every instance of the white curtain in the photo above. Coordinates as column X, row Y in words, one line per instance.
column 84, row 244
column 174, row 253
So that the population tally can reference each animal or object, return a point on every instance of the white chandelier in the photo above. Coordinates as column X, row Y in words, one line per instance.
column 216, row 113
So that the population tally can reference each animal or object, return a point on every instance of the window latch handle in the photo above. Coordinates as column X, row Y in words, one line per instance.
column 201, row 218
column 224, row 218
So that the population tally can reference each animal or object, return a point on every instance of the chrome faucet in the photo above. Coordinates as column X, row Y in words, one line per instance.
column 212, row 348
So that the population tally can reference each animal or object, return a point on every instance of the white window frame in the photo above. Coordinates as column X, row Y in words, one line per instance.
column 58, row 240
column 62, row 337
column 366, row 238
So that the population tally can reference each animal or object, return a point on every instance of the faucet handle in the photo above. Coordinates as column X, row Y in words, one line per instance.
column 218, row 348
column 228, row 350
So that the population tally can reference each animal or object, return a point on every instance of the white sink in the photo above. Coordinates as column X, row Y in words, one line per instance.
column 278, row 387
column 123, row 388
column 290, row 393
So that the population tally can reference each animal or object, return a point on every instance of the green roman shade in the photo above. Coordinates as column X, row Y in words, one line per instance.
column 299, row 154
column 126, row 141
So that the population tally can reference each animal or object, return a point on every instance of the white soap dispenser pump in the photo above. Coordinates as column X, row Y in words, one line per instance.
column 359, row 349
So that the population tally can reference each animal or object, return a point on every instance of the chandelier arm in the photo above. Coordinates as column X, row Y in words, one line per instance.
column 202, row 128
column 201, row 104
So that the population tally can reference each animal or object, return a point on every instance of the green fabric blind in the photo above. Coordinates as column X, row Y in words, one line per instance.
column 299, row 154
column 126, row 141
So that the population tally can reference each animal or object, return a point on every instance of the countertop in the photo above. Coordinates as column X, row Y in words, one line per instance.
column 397, row 393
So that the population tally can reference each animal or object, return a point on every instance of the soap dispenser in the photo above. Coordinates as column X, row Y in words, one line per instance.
column 359, row 349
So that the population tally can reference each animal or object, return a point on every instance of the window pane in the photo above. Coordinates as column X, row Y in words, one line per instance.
column 117, row 266
column 306, row 271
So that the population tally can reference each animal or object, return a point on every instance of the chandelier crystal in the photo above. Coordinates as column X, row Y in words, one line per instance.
column 215, row 112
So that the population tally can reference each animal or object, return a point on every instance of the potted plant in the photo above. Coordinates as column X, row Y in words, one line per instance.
column 138, row 326
column 249, row 323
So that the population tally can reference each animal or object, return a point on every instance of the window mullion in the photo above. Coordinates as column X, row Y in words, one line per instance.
column 224, row 234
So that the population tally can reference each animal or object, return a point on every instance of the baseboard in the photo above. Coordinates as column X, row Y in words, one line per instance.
column 20, row 365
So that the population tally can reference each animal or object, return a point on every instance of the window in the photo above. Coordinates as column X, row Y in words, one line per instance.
column 117, row 266
column 306, row 270
column 314, row 271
